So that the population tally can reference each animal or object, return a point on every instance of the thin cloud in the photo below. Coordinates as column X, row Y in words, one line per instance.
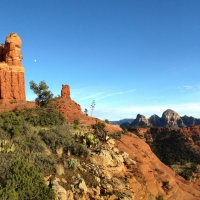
column 113, row 94
column 187, row 87
column 93, row 96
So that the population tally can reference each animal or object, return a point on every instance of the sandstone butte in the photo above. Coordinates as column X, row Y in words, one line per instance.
column 145, row 177
column 12, row 83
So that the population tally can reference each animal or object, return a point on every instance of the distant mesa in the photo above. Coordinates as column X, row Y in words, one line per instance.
column 12, row 83
column 169, row 118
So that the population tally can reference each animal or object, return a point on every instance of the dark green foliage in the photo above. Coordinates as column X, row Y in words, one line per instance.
column 76, row 122
column 116, row 136
column 24, row 182
column 165, row 184
column 99, row 130
column 29, row 143
column 107, row 121
column 86, row 112
column 43, row 94
column 62, row 137
column 194, row 168
column 187, row 174
column 11, row 123
column 57, row 137
column 159, row 197
column 45, row 163
column 41, row 116
column 170, row 147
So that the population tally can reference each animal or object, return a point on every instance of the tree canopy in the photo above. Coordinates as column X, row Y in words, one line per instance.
column 42, row 92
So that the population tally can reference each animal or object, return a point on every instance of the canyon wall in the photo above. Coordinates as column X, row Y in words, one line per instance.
column 12, row 83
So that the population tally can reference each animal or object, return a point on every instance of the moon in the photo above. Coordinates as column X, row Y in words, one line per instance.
column 35, row 60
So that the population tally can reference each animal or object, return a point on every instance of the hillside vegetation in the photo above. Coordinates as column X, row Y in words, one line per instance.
column 37, row 143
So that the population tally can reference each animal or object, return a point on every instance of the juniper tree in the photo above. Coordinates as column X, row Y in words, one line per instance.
column 42, row 92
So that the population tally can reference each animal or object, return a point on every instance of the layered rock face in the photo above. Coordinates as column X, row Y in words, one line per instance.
column 12, row 83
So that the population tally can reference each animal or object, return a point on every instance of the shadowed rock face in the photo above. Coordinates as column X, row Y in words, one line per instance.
column 141, row 120
column 155, row 120
column 12, row 83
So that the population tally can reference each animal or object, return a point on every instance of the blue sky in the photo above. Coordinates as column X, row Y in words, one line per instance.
column 129, row 56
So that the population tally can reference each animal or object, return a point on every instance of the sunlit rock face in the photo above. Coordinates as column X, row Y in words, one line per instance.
column 12, row 83
column 170, row 117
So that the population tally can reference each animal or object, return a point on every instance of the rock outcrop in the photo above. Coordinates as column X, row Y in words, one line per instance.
column 155, row 120
column 12, row 83
column 65, row 92
column 141, row 120
column 72, row 111
column 170, row 118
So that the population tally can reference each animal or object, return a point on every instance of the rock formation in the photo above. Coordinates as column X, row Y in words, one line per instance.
column 141, row 120
column 169, row 118
column 65, row 92
column 155, row 120
column 12, row 84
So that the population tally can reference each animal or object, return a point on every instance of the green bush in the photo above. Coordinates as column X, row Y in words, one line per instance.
column 116, row 136
column 107, row 121
column 62, row 137
column 11, row 123
column 187, row 174
column 72, row 163
column 41, row 116
column 25, row 182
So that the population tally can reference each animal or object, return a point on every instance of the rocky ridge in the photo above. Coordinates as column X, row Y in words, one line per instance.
column 169, row 118
column 125, row 169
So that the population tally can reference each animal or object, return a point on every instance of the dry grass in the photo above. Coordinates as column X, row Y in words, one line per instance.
column 60, row 169
column 59, row 151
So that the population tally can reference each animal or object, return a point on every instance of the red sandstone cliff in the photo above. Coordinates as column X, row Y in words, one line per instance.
column 12, row 83
column 149, row 174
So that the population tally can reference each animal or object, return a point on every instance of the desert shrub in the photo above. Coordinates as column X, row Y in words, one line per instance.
column 187, row 174
column 25, row 182
column 11, row 123
column 72, row 163
column 45, row 163
column 3, row 134
column 165, row 184
column 62, row 137
column 77, row 149
column 30, row 143
column 116, row 136
column 98, row 127
column 107, row 121
column 194, row 168
column 99, row 130
column 57, row 137
column 76, row 122
column 41, row 116
column 159, row 197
